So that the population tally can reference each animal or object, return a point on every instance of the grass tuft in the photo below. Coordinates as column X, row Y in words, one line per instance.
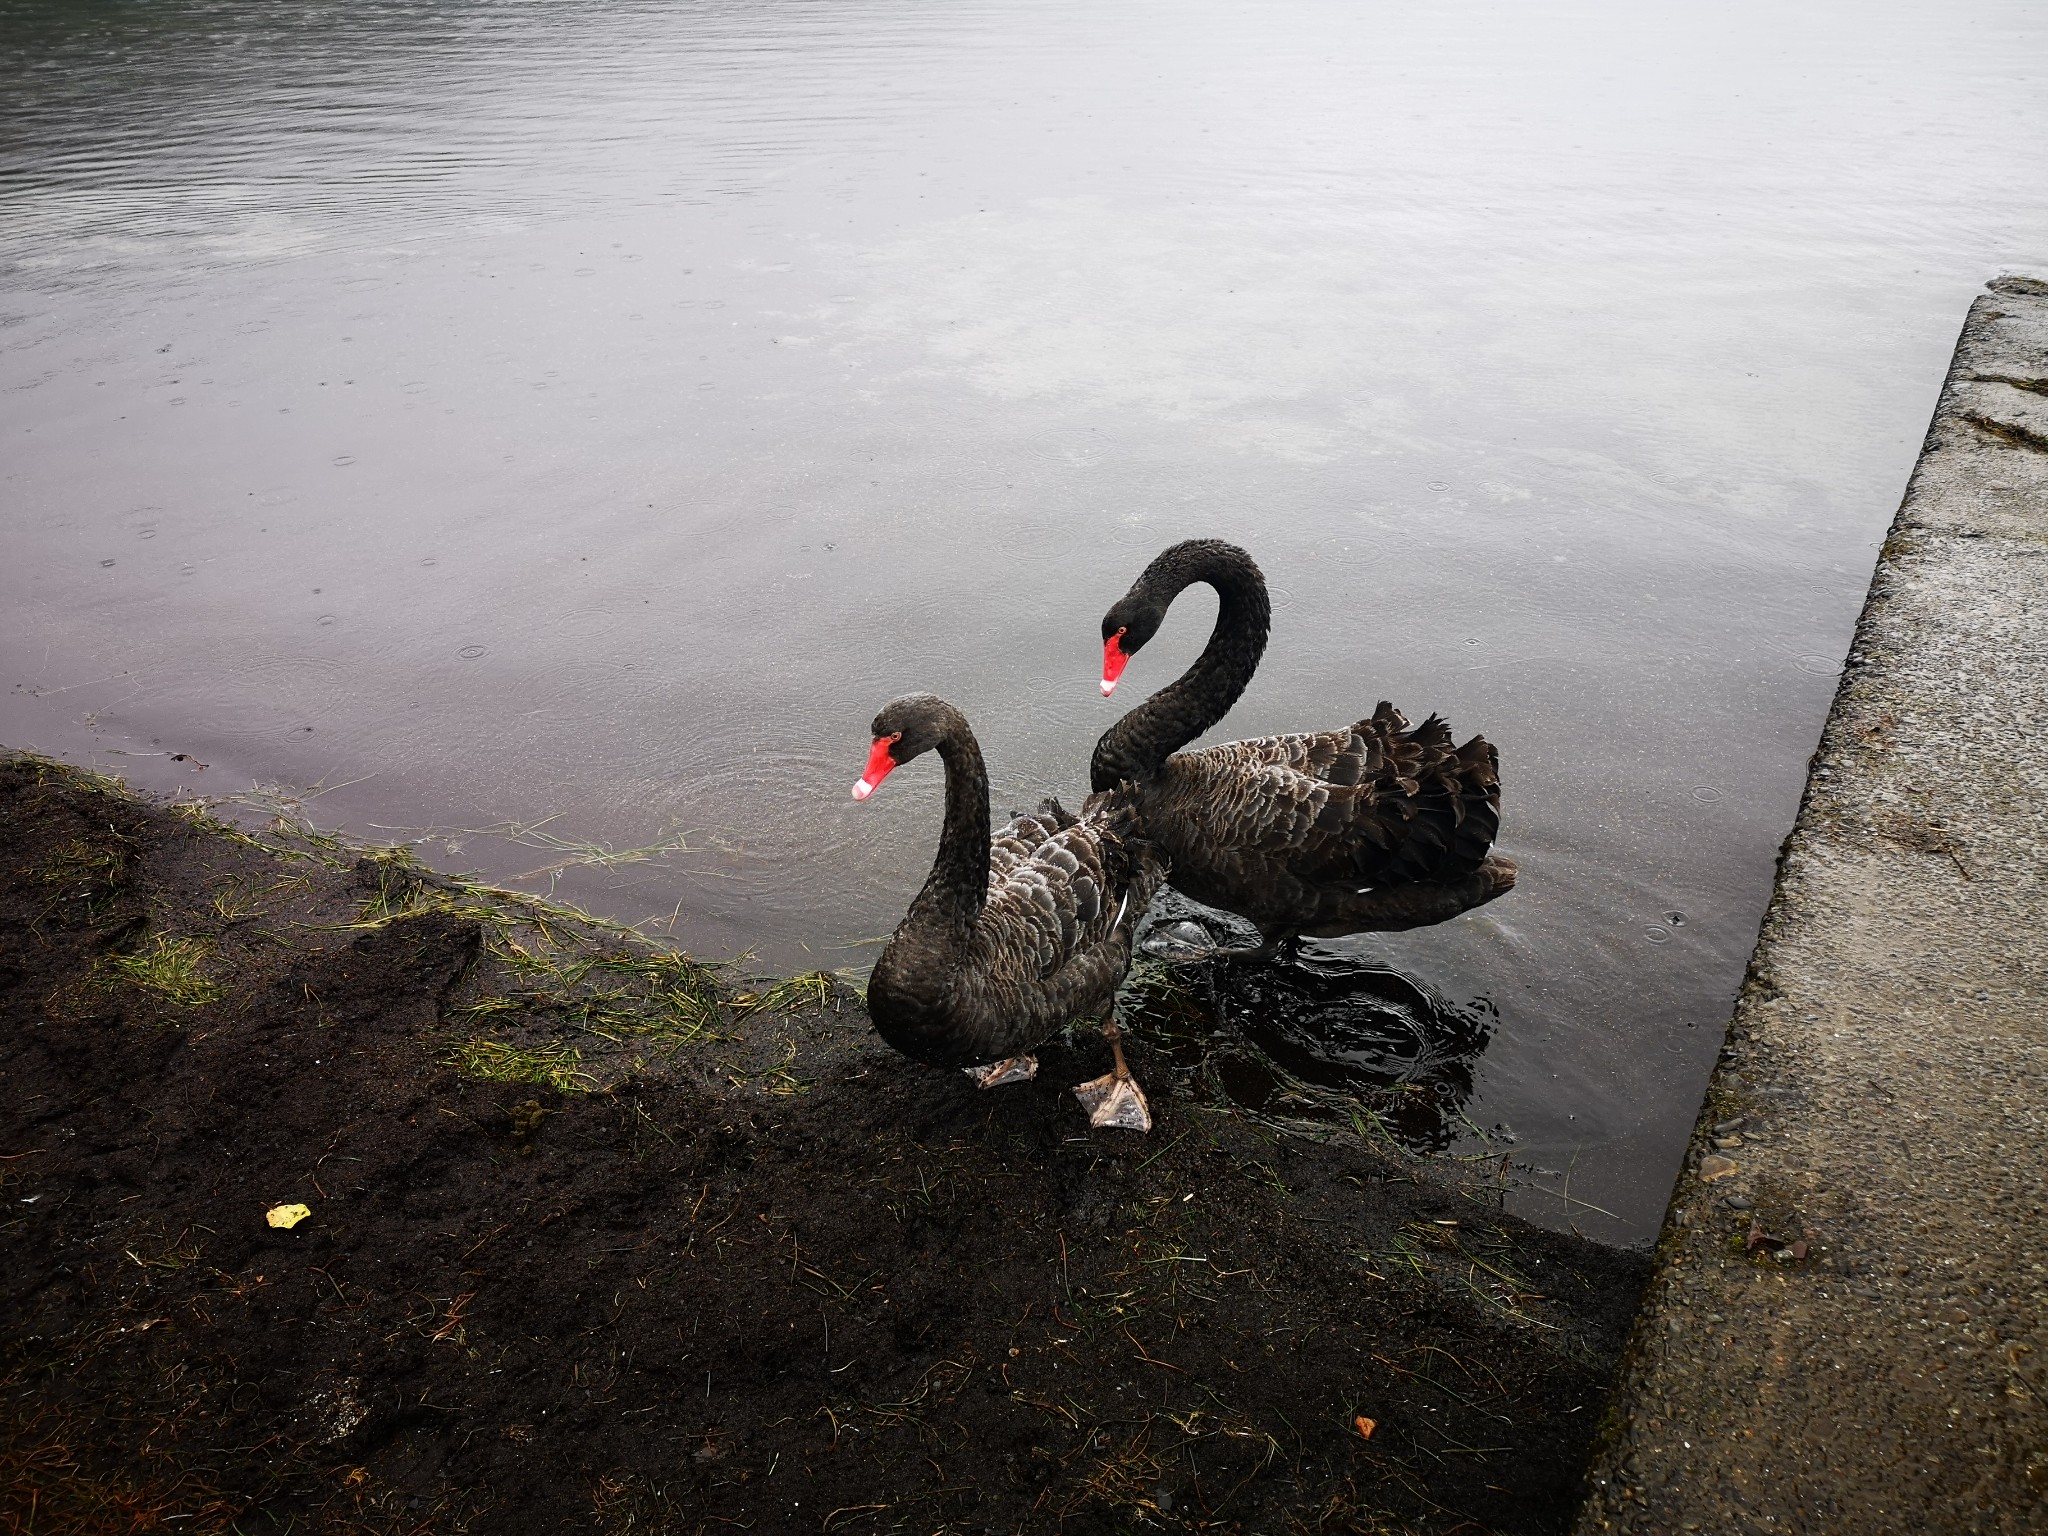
column 90, row 874
column 494, row 1061
column 169, row 969
column 812, row 989
column 568, row 967
column 80, row 868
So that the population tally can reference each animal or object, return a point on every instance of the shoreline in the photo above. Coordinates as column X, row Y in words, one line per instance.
column 603, row 1238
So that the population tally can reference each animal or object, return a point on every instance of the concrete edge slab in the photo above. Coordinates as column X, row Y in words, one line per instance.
column 1846, row 1327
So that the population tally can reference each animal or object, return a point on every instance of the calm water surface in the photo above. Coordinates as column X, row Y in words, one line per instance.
column 595, row 411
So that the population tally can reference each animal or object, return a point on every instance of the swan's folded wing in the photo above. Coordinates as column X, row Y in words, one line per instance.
column 1014, row 845
column 1377, row 802
column 1324, row 756
column 1056, row 904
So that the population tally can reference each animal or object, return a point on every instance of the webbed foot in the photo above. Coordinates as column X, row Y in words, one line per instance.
column 1114, row 1101
column 1011, row 1069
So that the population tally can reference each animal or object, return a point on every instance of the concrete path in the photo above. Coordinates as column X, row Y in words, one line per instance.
column 1848, row 1326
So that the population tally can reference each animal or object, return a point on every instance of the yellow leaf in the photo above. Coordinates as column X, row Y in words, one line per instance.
column 287, row 1215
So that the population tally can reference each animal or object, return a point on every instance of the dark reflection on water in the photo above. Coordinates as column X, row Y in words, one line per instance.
column 1321, row 1034
column 1352, row 1027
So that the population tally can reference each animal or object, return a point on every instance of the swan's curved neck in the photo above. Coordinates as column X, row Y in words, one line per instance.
column 1137, row 746
column 957, row 889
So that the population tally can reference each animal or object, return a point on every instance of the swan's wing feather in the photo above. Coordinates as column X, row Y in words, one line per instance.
column 1087, row 897
column 1047, row 913
column 1378, row 801
column 1016, row 843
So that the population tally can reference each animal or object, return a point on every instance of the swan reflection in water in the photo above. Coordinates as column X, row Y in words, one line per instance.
column 1318, row 1036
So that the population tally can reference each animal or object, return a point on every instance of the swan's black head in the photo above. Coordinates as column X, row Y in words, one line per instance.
column 1139, row 612
column 906, row 727
column 1134, row 619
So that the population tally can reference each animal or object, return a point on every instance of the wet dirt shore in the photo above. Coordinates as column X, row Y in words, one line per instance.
column 604, row 1240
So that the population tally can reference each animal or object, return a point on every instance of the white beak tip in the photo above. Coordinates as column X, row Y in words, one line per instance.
column 1108, row 688
column 862, row 790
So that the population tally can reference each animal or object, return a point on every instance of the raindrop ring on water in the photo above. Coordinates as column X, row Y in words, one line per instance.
column 1657, row 935
column 1706, row 794
column 471, row 652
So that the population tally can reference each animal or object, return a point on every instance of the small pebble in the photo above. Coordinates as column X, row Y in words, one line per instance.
column 1731, row 1125
column 1740, row 1203
column 1725, row 1142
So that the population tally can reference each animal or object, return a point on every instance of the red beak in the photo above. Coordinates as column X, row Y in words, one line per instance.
column 881, row 763
column 1113, row 663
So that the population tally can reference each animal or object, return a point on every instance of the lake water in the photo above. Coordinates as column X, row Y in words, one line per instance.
column 525, row 410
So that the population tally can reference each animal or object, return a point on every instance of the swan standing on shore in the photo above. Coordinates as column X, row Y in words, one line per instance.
column 1016, row 936
column 1371, row 828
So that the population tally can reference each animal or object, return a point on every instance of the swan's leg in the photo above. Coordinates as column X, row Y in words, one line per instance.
column 1115, row 1100
column 1011, row 1069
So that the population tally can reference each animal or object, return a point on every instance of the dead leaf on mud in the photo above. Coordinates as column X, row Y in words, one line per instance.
column 1713, row 1167
column 1365, row 1426
column 287, row 1216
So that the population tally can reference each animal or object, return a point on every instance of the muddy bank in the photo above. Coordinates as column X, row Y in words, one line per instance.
column 604, row 1240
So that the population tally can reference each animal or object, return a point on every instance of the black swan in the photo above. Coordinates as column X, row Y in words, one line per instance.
column 1016, row 936
column 1371, row 828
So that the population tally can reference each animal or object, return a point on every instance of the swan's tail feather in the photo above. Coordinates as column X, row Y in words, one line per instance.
column 1057, row 814
column 1437, row 805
